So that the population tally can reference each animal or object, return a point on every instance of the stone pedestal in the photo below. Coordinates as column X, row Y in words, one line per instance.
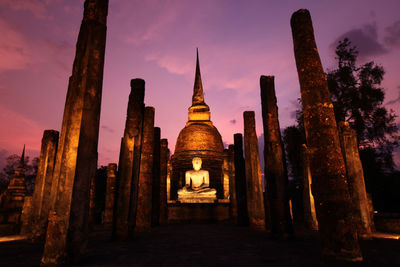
column 44, row 179
column 332, row 199
column 255, row 199
column 355, row 179
column 240, row 180
column 164, row 157
column 76, row 162
column 144, row 203
column 198, row 212
column 310, row 216
column 128, row 173
column 275, row 164
column 111, row 188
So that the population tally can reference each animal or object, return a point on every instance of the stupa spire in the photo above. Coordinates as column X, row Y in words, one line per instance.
column 198, row 95
column 22, row 159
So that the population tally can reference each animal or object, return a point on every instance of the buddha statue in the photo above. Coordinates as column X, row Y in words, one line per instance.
column 197, row 185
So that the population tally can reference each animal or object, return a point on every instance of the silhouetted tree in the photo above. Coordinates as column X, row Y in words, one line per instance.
column 357, row 98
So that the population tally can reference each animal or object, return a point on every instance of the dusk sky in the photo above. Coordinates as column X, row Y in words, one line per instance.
column 156, row 40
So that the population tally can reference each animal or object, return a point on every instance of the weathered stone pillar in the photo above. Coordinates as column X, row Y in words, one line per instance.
column 76, row 161
column 255, row 199
column 155, row 209
column 355, row 178
column 41, row 194
column 169, row 173
column 128, row 172
column 226, row 174
column 232, row 184
column 310, row 217
column 164, row 157
column 371, row 212
column 240, row 180
column 333, row 204
column 111, row 188
column 92, row 201
column 26, row 215
column 144, row 203
column 275, row 164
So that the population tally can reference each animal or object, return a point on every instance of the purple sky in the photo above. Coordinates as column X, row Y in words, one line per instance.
column 156, row 40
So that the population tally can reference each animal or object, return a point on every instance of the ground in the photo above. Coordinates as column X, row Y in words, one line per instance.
column 204, row 245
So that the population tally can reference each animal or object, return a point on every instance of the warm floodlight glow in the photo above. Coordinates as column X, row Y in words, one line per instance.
column 12, row 238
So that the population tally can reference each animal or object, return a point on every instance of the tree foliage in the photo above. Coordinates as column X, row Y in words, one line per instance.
column 357, row 98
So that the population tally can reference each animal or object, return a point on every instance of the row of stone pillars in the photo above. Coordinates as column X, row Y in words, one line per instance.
column 61, row 200
column 335, row 199
column 65, row 176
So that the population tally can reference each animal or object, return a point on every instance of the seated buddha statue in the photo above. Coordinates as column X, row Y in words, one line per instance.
column 197, row 185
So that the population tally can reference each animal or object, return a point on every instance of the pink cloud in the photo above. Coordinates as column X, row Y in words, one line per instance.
column 19, row 130
column 173, row 64
column 15, row 53
column 36, row 7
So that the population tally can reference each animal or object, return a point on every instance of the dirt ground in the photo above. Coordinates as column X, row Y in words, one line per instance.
column 204, row 245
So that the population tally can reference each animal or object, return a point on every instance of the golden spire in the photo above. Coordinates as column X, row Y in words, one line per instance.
column 198, row 95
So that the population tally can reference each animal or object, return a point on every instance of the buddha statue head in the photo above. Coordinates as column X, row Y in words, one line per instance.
column 196, row 162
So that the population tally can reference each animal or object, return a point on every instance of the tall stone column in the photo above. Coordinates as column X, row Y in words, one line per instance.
column 169, row 173
column 275, row 164
column 76, row 162
column 26, row 215
column 310, row 217
column 128, row 172
column 41, row 194
column 155, row 209
column 92, row 201
column 355, row 179
column 144, row 203
column 255, row 199
column 111, row 188
column 164, row 157
column 232, row 184
column 226, row 174
column 240, row 180
column 333, row 204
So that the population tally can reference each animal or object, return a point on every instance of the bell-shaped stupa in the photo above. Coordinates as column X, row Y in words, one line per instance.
column 199, row 138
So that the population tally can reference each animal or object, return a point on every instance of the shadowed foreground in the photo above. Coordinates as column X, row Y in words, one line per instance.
column 204, row 245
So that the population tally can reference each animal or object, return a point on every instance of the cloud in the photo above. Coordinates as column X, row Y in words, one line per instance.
column 392, row 37
column 232, row 121
column 107, row 129
column 174, row 65
column 157, row 27
column 15, row 52
column 20, row 130
column 365, row 39
column 36, row 7
column 396, row 100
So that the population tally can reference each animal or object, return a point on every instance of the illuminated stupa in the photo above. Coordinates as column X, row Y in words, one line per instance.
column 200, row 139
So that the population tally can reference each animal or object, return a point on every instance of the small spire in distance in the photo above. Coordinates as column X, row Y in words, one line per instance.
column 22, row 160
